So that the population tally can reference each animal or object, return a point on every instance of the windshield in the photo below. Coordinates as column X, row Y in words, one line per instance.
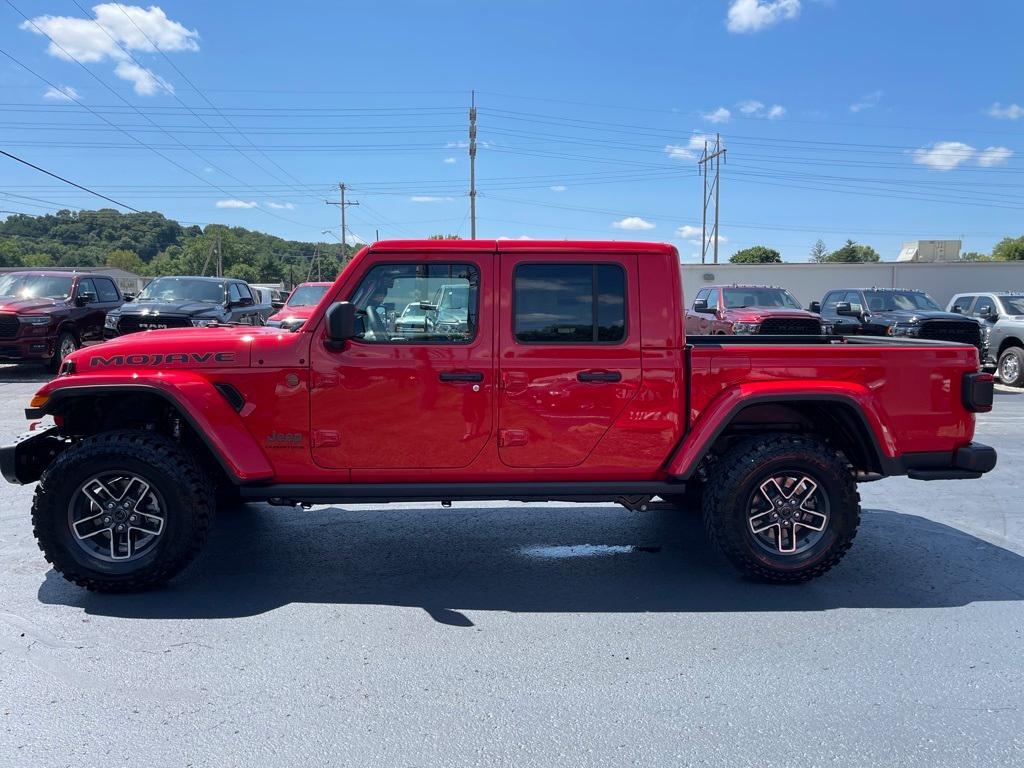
column 307, row 295
column 1013, row 305
column 737, row 298
column 35, row 287
column 413, row 310
column 899, row 300
column 179, row 289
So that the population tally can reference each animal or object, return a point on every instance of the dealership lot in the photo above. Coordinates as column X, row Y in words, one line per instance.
column 493, row 634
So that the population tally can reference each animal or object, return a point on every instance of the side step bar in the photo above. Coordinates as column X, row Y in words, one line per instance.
column 632, row 494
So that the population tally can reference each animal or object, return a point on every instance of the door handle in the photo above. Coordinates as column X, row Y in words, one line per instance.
column 599, row 376
column 470, row 376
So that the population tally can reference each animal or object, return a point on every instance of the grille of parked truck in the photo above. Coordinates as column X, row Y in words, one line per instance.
column 546, row 371
column 749, row 309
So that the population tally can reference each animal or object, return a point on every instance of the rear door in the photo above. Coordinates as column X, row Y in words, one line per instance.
column 568, row 353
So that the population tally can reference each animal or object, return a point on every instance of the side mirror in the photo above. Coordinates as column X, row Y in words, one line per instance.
column 815, row 306
column 956, row 310
column 82, row 300
column 848, row 309
column 702, row 306
column 342, row 324
column 129, row 297
column 988, row 313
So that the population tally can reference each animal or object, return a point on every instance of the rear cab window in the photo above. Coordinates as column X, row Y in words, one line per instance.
column 577, row 303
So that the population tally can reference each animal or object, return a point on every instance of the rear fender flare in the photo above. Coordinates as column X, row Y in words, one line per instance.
column 722, row 411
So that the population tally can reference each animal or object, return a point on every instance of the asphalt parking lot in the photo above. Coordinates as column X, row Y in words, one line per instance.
column 412, row 635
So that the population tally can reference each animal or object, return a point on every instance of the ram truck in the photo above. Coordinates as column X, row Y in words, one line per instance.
column 569, row 379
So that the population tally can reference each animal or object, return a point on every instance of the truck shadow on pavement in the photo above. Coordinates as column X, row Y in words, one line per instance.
column 541, row 559
column 24, row 374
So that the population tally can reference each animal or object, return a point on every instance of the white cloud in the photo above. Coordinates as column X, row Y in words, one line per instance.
column 430, row 199
column 558, row 188
column 282, row 206
column 144, row 81
column 456, row 144
column 448, row 160
column 720, row 115
column 944, row 155
column 755, row 15
column 521, row 237
column 116, row 26
column 688, row 151
column 1009, row 112
column 693, row 234
column 867, row 101
column 754, row 108
column 236, row 204
column 632, row 223
column 994, row 156
column 63, row 93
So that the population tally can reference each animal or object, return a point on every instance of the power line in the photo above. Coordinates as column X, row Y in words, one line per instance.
column 68, row 181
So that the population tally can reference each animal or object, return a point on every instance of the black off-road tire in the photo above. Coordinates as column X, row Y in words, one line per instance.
column 736, row 477
column 63, row 338
column 186, row 491
column 1011, row 354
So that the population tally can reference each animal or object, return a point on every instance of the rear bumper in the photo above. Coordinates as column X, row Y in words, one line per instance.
column 967, row 463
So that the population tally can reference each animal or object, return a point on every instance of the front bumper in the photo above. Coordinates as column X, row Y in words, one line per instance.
column 967, row 463
column 31, row 348
column 24, row 460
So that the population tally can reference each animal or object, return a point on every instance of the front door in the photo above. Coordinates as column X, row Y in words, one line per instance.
column 415, row 391
column 569, row 354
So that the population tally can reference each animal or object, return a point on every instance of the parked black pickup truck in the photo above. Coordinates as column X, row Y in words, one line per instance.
column 894, row 312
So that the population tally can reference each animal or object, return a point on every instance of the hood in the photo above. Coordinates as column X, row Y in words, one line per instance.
column 917, row 315
column 171, row 308
column 219, row 347
column 12, row 304
column 757, row 314
column 299, row 313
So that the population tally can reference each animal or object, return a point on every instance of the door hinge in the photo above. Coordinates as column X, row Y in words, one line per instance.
column 326, row 438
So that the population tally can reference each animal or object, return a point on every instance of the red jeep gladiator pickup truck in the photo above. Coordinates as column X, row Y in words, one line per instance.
column 553, row 371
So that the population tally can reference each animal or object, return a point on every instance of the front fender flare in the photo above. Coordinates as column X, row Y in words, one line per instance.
column 206, row 410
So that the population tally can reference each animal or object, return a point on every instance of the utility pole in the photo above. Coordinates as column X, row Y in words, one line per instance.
column 472, row 165
column 712, row 156
column 343, row 204
column 220, row 258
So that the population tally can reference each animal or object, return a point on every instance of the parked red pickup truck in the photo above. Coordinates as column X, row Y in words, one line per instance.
column 561, row 372
column 747, row 309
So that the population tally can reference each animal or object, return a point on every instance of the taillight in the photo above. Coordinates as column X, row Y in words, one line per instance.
column 978, row 390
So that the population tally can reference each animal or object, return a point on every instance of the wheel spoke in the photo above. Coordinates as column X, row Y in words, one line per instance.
column 816, row 521
column 793, row 517
column 151, row 525
column 762, row 522
column 88, row 527
column 121, row 544
column 99, row 493
column 135, row 498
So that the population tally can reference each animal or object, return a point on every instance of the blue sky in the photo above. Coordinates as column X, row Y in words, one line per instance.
column 879, row 121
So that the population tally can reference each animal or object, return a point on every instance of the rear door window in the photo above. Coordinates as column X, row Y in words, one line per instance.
column 575, row 303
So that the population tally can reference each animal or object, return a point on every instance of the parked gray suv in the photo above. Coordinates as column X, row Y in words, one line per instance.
column 1001, row 316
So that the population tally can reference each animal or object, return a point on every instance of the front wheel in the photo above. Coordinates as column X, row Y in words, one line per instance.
column 1011, row 367
column 782, row 508
column 66, row 343
column 122, row 511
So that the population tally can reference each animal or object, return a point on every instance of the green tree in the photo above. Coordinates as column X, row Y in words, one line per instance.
column 246, row 272
column 1009, row 249
column 818, row 251
column 757, row 254
column 126, row 260
column 975, row 256
column 852, row 252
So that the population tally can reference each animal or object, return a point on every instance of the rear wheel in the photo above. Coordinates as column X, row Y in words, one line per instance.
column 122, row 511
column 782, row 508
column 1011, row 367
